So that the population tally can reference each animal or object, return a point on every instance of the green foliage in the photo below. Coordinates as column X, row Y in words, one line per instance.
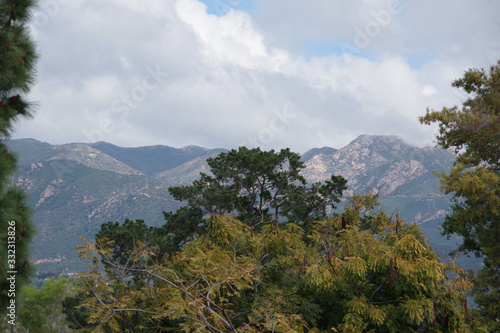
column 123, row 240
column 237, row 277
column 183, row 226
column 17, row 71
column 473, row 130
column 126, row 236
column 41, row 310
column 76, row 316
column 257, row 186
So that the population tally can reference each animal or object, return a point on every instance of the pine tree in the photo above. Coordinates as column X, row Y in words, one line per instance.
column 256, row 186
column 17, row 72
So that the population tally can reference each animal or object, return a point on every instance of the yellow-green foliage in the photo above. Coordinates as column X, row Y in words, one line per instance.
column 472, row 130
column 235, row 278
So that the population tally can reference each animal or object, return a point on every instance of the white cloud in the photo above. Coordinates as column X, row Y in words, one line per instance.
column 238, row 78
column 428, row 90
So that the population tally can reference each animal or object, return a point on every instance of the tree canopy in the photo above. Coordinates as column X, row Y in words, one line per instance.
column 473, row 131
column 340, row 277
column 41, row 310
column 256, row 186
column 126, row 235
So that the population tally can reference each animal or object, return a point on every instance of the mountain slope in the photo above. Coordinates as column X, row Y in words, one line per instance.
column 30, row 151
column 188, row 172
column 317, row 151
column 75, row 202
column 76, row 187
column 152, row 159
column 382, row 163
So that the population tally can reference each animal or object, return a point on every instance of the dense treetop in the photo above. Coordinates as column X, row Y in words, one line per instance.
column 358, row 272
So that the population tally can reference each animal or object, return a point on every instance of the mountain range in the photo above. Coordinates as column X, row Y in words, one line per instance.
column 75, row 187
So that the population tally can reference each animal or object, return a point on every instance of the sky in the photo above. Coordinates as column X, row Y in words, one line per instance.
column 258, row 73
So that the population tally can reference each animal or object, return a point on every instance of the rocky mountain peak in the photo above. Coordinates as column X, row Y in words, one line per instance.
column 368, row 140
column 373, row 162
column 387, row 146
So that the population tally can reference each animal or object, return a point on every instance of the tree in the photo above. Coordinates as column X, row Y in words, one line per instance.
column 239, row 278
column 126, row 235
column 473, row 131
column 257, row 186
column 17, row 70
column 385, row 277
column 124, row 238
column 41, row 310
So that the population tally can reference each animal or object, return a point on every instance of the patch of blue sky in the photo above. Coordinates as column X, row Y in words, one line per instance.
column 221, row 7
column 416, row 60
column 339, row 48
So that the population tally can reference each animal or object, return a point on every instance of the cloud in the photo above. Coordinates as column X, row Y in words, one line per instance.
column 250, row 78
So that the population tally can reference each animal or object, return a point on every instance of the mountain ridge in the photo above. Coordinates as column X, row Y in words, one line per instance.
column 76, row 187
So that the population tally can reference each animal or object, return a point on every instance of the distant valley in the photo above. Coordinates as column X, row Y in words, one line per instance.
column 76, row 187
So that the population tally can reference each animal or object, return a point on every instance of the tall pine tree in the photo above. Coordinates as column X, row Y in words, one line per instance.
column 17, row 72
